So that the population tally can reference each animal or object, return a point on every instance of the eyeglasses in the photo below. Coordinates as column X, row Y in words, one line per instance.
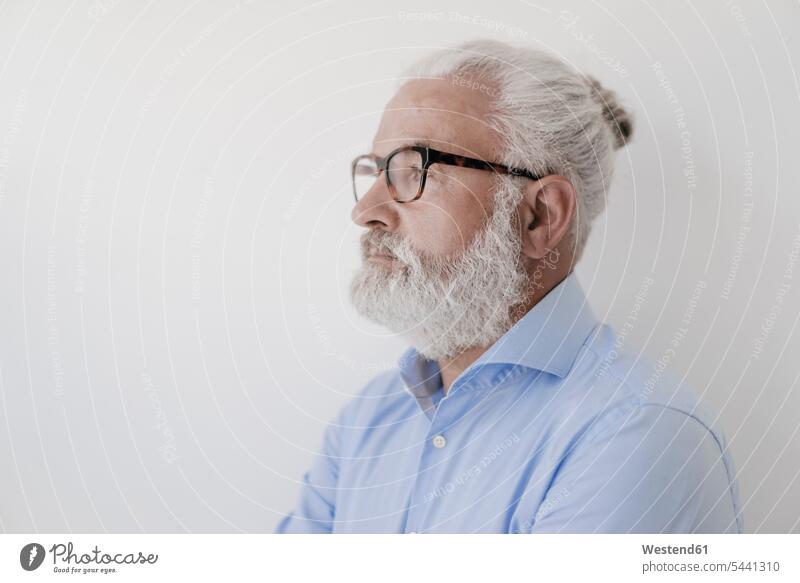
column 406, row 170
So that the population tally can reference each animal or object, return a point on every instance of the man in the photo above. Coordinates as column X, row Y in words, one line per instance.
column 511, row 412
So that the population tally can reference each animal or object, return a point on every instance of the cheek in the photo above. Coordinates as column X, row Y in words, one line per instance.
column 445, row 228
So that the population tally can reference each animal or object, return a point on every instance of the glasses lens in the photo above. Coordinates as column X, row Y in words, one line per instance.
column 365, row 172
column 405, row 174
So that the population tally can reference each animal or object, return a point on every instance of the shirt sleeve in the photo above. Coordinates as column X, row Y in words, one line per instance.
column 316, row 508
column 651, row 469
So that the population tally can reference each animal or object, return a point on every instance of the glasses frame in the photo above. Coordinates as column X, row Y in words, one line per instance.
column 431, row 156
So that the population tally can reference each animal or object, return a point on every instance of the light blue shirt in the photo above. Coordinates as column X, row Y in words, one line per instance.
column 550, row 430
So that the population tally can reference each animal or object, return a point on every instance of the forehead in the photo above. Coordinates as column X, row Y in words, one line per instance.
column 449, row 115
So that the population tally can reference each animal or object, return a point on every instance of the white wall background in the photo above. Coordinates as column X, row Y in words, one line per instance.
column 175, row 241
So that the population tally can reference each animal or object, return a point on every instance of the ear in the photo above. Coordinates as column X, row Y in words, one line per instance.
column 546, row 212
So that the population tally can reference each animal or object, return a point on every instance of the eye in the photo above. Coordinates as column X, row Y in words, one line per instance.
column 435, row 173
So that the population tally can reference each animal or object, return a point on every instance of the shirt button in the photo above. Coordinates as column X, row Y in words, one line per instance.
column 439, row 441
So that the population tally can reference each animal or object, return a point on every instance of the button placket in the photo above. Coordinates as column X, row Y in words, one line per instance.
column 445, row 418
column 434, row 441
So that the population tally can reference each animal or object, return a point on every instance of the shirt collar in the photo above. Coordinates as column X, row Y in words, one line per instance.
column 547, row 338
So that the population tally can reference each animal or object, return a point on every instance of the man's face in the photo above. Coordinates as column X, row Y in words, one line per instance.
column 456, row 201
column 452, row 270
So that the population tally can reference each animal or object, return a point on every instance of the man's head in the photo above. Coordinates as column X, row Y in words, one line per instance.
column 465, row 260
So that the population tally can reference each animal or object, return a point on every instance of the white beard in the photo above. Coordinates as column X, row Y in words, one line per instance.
column 445, row 306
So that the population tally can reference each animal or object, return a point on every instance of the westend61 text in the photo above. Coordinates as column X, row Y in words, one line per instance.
column 673, row 550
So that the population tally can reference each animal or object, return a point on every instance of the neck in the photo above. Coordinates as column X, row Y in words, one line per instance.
column 451, row 368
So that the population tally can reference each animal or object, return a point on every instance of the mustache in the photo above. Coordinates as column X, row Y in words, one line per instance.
column 380, row 242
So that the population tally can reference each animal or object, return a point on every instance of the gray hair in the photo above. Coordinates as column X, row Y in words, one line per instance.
column 552, row 118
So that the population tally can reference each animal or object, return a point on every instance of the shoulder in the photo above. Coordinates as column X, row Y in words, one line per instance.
column 617, row 390
column 638, row 412
column 617, row 382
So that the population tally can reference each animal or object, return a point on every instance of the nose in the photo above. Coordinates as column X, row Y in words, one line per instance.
column 376, row 209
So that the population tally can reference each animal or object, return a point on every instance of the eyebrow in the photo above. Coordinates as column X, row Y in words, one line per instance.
column 418, row 143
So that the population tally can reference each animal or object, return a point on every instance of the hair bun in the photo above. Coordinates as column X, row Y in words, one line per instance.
column 619, row 120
